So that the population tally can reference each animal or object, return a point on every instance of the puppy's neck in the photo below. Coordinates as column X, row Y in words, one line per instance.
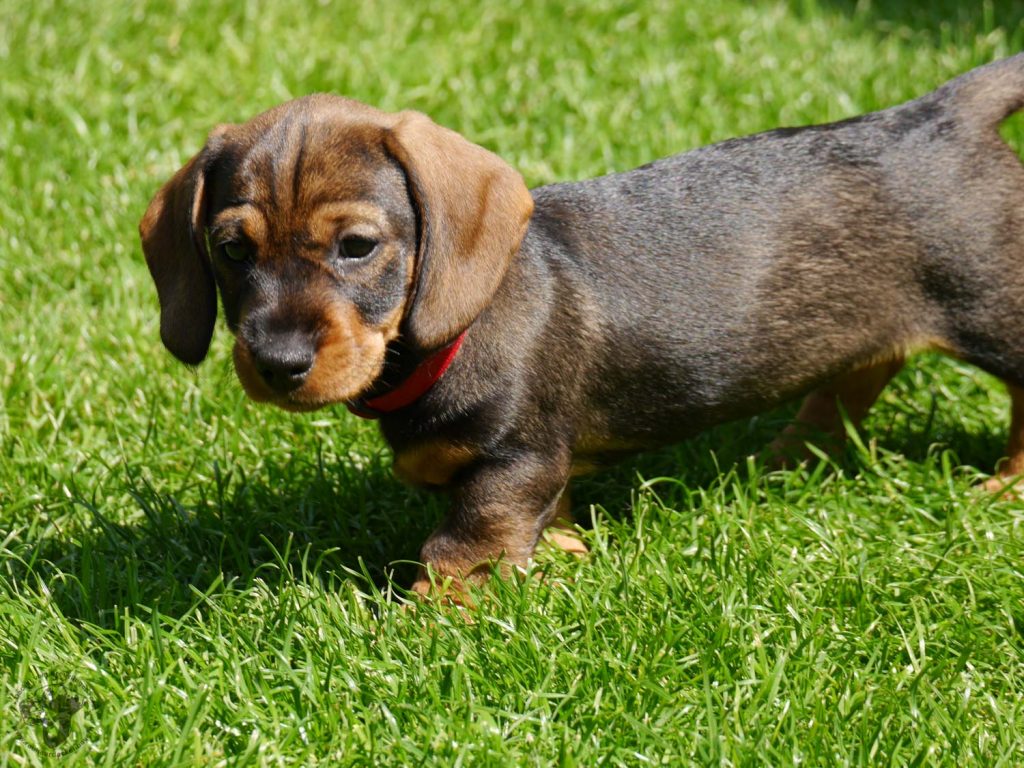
column 414, row 377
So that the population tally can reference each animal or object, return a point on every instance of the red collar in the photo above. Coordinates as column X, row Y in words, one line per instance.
column 413, row 388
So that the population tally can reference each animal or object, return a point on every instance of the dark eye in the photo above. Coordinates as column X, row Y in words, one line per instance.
column 356, row 247
column 236, row 252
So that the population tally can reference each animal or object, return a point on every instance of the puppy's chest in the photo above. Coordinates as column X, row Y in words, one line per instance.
column 433, row 463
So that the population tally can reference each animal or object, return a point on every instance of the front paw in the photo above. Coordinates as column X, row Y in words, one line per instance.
column 453, row 588
column 563, row 535
column 452, row 569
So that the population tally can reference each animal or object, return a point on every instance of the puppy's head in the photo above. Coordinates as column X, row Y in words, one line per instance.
column 330, row 229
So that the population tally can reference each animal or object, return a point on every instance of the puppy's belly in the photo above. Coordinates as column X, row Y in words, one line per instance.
column 607, row 440
column 643, row 417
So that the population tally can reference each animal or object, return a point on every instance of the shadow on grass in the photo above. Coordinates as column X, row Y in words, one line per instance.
column 940, row 22
column 324, row 515
column 340, row 517
column 331, row 517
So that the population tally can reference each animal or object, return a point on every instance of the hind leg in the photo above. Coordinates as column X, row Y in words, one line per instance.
column 820, row 419
column 1010, row 471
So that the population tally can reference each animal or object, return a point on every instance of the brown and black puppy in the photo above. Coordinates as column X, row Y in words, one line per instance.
column 510, row 340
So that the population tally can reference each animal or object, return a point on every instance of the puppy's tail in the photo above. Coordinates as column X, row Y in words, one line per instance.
column 986, row 96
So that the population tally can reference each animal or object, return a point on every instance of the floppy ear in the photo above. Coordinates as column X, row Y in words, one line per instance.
column 175, row 246
column 473, row 209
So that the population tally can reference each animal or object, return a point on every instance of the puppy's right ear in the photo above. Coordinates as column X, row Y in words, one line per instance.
column 174, row 241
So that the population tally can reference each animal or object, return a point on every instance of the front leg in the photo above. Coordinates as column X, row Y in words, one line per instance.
column 499, row 508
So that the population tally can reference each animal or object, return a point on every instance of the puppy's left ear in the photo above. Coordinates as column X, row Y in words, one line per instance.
column 174, row 242
column 474, row 209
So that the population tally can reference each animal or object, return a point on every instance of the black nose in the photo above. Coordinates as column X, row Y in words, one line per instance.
column 284, row 361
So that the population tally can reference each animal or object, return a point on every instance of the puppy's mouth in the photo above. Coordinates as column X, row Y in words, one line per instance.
column 340, row 370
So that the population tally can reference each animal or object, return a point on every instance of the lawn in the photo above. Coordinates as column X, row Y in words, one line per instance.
column 188, row 578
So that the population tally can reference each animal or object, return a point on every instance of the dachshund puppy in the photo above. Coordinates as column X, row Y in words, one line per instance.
column 509, row 340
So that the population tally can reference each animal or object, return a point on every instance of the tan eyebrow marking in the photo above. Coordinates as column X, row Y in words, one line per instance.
column 246, row 217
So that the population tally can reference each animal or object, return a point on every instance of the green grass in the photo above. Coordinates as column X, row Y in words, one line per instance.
column 219, row 583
